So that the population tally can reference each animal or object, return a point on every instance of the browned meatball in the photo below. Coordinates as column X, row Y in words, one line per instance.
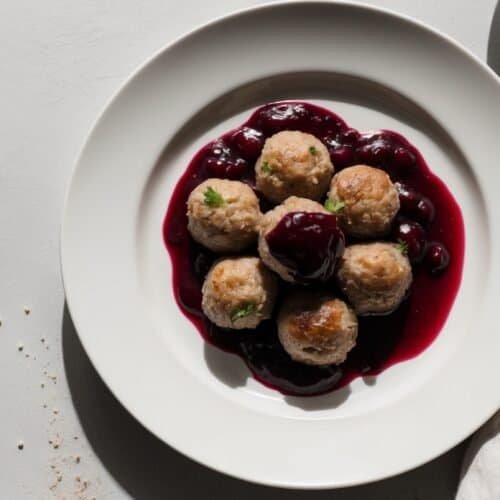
column 223, row 215
column 293, row 163
column 317, row 329
column 366, row 200
column 239, row 292
column 374, row 276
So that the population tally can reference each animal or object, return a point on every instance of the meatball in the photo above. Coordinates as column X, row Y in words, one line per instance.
column 365, row 199
column 223, row 215
column 269, row 221
column 317, row 329
column 293, row 163
column 374, row 277
column 238, row 292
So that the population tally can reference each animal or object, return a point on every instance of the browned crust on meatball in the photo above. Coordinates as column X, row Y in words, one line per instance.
column 375, row 277
column 370, row 200
column 318, row 329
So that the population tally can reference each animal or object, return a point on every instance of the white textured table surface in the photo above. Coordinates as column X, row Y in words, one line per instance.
column 61, row 61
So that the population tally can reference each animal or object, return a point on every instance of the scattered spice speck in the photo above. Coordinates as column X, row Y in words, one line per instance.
column 20, row 346
column 20, row 444
column 42, row 340
column 27, row 310
column 55, row 442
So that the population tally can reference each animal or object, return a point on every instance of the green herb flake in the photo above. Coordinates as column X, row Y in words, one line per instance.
column 243, row 311
column 266, row 168
column 213, row 198
column 403, row 247
column 313, row 150
column 333, row 205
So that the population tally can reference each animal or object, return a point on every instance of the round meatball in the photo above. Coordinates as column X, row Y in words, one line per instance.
column 367, row 201
column 374, row 277
column 269, row 221
column 238, row 292
column 293, row 163
column 317, row 329
column 223, row 215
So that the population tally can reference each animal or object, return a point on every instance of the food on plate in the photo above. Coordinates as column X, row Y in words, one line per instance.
column 238, row 292
column 293, row 163
column 317, row 328
column 300, row 240
column 315, row 252
column 223, row 215
column 365, row 201
column 375, row 277
column 415, row 205
column 437, row 258
column 411, row 235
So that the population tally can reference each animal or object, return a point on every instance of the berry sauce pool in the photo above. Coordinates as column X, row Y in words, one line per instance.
column 430, row 225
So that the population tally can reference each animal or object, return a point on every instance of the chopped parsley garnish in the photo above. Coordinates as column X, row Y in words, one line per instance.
column 333, row 205
column 266, row 168
column 243, row 311
column 403, row 247
column 313, row 150
column 213, row 198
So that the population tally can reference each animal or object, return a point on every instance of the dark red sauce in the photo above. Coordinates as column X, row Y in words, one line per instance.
column 309, row 243
column 430, row 225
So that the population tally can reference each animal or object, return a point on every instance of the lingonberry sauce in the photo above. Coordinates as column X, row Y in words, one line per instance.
column 430, row 225
column 309, row 243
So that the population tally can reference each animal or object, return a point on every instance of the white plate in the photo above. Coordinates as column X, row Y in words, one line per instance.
column 375, row 69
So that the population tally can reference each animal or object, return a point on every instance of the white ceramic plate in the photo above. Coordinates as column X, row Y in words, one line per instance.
column 375, row 69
